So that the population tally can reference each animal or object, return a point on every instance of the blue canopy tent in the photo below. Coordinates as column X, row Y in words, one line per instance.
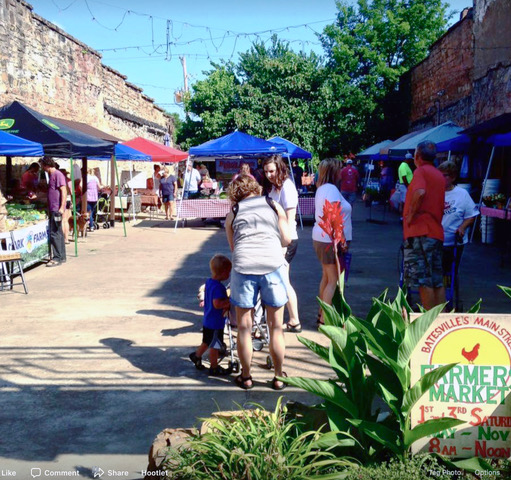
column 460, row 143
column 371, row 154
column 293, row 150
column 57, row 139
column 123, row 152
column 13, row 146
column 441, row 133
column 237, row 144
column 497, row 133
column 126, row 153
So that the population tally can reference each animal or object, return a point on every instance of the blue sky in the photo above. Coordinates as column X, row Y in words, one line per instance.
column 132, row 34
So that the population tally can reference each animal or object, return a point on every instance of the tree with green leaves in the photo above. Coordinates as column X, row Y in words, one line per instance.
column 331, row 104
column 367, row 49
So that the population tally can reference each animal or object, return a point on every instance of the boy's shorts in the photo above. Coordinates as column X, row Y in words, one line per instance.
column 272, row 287
column 213, row 338
column 423, row 262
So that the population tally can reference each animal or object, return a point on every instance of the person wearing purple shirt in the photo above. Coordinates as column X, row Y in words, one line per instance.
column 57, row 195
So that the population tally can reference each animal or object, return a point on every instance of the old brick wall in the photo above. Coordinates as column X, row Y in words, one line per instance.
column 441, row 83
column 492, row 58
column 47, row 69
column 467, row 76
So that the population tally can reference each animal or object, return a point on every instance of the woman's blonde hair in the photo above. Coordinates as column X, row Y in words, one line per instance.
column 166, row 171
column 328, row 170
column 241, row 187
column 450, row 168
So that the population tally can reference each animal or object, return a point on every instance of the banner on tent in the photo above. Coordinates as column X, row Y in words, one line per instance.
column 31, row 242
column 227, row 167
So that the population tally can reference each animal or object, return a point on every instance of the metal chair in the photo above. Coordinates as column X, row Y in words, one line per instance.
column 8, row 260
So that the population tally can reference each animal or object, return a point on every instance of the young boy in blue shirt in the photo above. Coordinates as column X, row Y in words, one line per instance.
column 216, row 303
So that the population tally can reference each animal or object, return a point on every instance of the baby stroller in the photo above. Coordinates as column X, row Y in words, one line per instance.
column 260, row 333
column 102, row 211
column 260, row 336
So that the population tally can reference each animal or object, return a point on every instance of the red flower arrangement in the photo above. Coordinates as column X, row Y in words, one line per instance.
column 333, row 226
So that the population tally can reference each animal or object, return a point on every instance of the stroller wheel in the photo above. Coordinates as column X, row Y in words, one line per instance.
column 257, row 344
column 234, row 366
column 269, row 362
column 106, row 225
column 96, row 226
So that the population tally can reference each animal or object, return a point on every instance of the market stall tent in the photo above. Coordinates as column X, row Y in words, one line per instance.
column 57, row 139
column 13, row 146
column 440, row 133
column 293, row 150
column 157, row 151
column 239, row 144
column 373, row 152
column 384, row 151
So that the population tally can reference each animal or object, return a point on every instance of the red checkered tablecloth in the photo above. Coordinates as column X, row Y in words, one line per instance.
column 203, row 208
column 215, row 208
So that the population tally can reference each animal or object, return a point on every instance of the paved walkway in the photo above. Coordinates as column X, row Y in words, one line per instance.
column 93, row 362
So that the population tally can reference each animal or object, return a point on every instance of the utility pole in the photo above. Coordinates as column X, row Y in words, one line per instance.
column 185, row 74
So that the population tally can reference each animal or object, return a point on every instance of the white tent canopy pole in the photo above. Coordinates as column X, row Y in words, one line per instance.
column 482, row 192
column 185, row 186
column 132, row 194
column 294, row 183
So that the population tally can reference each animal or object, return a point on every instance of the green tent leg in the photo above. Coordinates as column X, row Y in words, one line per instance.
column 73, row 197
column 119, row 194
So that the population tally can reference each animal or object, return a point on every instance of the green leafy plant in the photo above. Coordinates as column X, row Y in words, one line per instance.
column 255, row 444
column 370, row 358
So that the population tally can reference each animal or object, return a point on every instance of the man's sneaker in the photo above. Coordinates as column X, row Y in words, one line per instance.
column 197, row 361
column 218, row 371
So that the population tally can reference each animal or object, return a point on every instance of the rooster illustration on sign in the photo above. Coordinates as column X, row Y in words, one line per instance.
column 472, row 354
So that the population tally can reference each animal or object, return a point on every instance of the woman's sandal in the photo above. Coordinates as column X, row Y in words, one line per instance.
column 275, row 382
column 294, row 328
column 242, row 382
column 319, row 322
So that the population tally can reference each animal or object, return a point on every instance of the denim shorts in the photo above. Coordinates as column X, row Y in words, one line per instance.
column 272, row 287
column 167, row 198
column 423, row 262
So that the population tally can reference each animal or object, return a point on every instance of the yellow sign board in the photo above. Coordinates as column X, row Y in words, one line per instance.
column 477, row 390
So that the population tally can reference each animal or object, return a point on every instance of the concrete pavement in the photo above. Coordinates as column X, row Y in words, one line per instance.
column 93, row 362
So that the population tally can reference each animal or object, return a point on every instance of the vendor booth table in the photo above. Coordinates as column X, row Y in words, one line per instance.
column 219, row 208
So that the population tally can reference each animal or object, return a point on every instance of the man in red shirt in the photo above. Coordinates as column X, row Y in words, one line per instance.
column 349, row 182
column 422, row 228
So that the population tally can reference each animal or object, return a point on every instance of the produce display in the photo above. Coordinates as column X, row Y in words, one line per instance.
column 20, row 215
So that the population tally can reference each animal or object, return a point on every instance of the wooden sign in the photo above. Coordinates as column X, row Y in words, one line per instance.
column 477, row 390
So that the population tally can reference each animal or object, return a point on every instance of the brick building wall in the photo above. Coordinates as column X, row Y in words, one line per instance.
column 467, row 76
column 441, row 83
column 49, row 70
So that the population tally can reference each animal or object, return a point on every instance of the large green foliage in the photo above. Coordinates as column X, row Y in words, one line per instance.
column 371, row 361
column 330, row 104
column 258, row 445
